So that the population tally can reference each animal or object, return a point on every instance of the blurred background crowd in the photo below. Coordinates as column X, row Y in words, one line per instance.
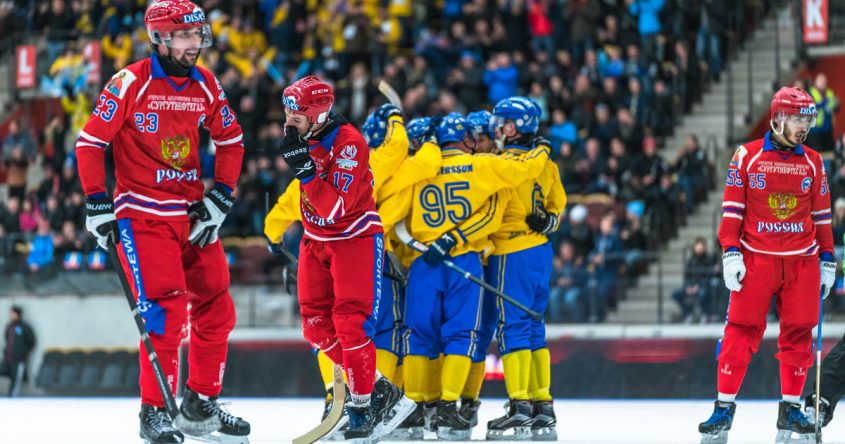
column 613, row 77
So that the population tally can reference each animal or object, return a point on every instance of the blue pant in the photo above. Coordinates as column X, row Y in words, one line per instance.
column 524, row 276
column 488, row 324
column 443, row 309
column 389, row 327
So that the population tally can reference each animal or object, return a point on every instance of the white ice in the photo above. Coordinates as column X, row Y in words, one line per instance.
column 115, row 420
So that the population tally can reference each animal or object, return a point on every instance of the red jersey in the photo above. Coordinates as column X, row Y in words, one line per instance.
column 337, row 203
column 776, row 203
column 152, row 121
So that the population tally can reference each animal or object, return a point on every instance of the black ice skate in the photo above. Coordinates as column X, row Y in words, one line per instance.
column 429, row 413
column 361, row 424
column 469, row 410
column 198, row 415
column 715, row 429
column 825, row 411
column 337, row 433
column 515, row 425
column 390, row 406
column 411, row 428
column 156, row 427
column 543, row 421
column 794, row 427
column 450, row 425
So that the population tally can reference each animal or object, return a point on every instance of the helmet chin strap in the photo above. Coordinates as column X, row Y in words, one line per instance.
column 778, row 138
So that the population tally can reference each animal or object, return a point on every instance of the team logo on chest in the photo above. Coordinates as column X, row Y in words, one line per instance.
column 782, row 205
column 347, row 154
column 175, row 151
column 806, row 184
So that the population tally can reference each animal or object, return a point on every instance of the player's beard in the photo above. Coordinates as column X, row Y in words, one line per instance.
column 186, row 60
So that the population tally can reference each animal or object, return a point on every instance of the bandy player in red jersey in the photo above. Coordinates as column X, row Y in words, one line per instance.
column 167, row 229
column 341, row 255
column 778, row 242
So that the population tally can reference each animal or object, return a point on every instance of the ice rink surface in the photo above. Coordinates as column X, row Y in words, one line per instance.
column 115, row 420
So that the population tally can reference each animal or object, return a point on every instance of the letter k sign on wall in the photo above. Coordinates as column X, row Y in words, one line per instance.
column 815, row 21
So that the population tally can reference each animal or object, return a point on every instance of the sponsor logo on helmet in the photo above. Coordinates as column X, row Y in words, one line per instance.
column 195, row 17
column 811, row 109
column 319, row 91
column 290, row 102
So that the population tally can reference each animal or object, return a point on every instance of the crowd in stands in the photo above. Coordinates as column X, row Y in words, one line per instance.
column 613, row 78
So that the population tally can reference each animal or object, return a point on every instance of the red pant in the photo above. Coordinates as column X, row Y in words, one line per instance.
column 795, row 281
column 167, row 272
column 339, row 285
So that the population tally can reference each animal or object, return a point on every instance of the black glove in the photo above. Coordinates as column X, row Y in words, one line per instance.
column 439, row 250
column 386, row 111
column 542, row 221
column 297, row 155
column 209, row 214
column 100, row 221
column 540, row 140
column 278, row 250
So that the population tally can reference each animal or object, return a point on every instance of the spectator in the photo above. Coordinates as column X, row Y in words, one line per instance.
column 583, row 17
column 692, row 173
column 28, row 221
column 20, row 340
column 576, row 230
column 708, row 42
column 561, row 130
column 501, row 78
column 634, row 241
column 694, row 297
column 648, row 23
column 604, row 260
column 567, row 302
column 542, row 28
column 19, row 152
column 630, row 131
column 827, row 105
column 10, row 216
column 40, row 260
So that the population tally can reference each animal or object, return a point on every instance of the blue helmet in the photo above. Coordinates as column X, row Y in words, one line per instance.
column 452, row 128
column 524, row 112
column 419, row 130
column 374, row 130
column 479, row 123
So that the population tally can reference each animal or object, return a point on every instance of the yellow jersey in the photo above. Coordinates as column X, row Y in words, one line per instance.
column 462, row 186
column 544, row 191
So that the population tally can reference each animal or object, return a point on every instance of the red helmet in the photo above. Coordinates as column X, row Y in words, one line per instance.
column 310, row 97
column 165, row 16
column 793, row 101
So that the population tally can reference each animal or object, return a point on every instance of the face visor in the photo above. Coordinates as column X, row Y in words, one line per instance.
column 184, row 39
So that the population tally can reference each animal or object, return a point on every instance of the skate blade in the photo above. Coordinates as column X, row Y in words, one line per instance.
column 715, row 438
column 450, row 434
column 219, row 438
column 788, row 437
column 544, row 434
column 405, row 434
column 197, row 428
column 519, row 434
column 403, row 409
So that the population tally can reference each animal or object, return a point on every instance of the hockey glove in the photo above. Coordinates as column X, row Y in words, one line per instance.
column 387, row 111
column 733, row 268
column 209, row 213
column 297, row 155
column 542, row 221
column 828, row 275
column 278, row 249
column 541, row 141
column 439, row 250
column 100, row 221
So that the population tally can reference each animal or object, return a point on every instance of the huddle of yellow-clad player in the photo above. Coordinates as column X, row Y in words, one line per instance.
column 472, row 207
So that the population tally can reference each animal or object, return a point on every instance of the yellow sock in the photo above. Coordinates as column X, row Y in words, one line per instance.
column 433, row 387
column 472, row 388
column 399, row 377
column 454, row 376
column 416, row 369
column 541, row 372
column 517, row 367
column 326, row 370
column 386, row 364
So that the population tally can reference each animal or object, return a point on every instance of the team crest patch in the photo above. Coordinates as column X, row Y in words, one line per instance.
column 806, row 184
column 119, row 83
column 348, row 152
column 782, row 205
column 739, row 154
column 175, row 151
